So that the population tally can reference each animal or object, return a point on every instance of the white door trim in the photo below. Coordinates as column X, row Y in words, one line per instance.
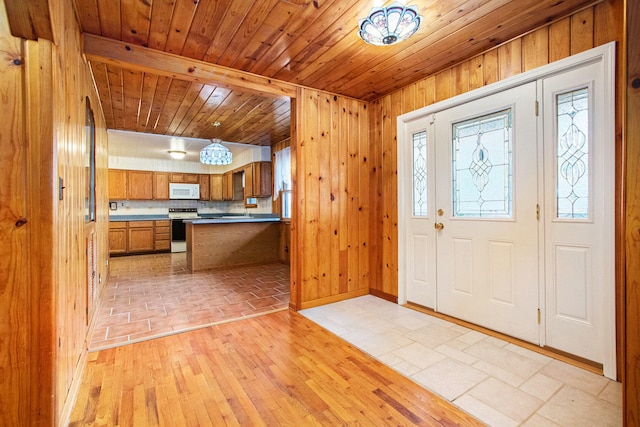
column 605, row 54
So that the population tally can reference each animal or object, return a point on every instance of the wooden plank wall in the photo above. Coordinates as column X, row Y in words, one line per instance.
column 631, row 380
column 43, row 278
column 583, row 30
column 331, row 213
column 72, row 84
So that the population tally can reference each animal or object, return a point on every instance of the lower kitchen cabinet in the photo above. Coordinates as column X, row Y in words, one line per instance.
column 162, row 233
column 117, row 238
column 140, row 236
column 135, row 237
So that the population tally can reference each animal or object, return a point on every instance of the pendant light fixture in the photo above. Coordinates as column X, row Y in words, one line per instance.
column 385, row 26
column 216, row 154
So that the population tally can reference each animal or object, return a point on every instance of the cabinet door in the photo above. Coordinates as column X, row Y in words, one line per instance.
column 118, row 240
column 140, row 236
column 216, row 187
column 227, row 186
column 204, row 187
column 117, row 184
column 161, row 186
column 262, row 184
column 191, row 178
column 177, row 177
column 140, row 185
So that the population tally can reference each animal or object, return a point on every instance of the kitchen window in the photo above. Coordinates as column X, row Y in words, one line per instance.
column 282, row 181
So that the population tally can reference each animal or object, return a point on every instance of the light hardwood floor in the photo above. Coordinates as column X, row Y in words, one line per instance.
column 276, row 369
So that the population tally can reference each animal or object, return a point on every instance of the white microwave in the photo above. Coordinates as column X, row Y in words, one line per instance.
column 184, row 191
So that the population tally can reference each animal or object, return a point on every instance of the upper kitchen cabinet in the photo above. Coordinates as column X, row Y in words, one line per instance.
column 139, row 185
column 215, row 188
column 161, row 185
column 187, row 178
column 117, row 184
column 204, row 187
column 257, row 179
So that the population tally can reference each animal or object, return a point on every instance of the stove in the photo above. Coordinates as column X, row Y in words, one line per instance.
column 179, row 228
column 183, row 213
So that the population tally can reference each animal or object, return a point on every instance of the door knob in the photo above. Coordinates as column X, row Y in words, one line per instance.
column 438, row 226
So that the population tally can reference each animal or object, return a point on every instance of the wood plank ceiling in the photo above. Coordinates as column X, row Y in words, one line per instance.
column 304, row 42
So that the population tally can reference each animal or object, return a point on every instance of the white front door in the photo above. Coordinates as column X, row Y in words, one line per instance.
column 579, row 194
column 505, row 218
column 486, row 209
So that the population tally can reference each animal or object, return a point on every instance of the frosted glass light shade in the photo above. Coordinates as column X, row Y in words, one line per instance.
column 389, row 25
column 216, row 154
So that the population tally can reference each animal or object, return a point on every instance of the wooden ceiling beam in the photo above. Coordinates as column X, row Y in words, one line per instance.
column 138, row 58
column 29, row 19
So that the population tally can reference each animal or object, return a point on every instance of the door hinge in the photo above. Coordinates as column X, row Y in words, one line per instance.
column 537, row 108
column 538, row 212
column 538, row 316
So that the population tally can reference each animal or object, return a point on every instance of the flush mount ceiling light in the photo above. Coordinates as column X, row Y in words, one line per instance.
column 389, row 25
column 177, row 154
column 216, row 154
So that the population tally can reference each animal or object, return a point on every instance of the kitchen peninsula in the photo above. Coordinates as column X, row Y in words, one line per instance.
column 231, row 241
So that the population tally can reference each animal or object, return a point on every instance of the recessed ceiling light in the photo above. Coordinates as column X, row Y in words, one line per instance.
column 177, row 154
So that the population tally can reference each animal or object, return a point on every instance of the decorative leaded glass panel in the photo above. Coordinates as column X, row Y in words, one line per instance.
column 482, row 166
column 420, row 174
column 572, row 185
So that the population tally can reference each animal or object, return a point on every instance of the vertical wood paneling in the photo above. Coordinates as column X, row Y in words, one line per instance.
column 364, row 210
column 510, row 59
column 535, row 49
column 547, row 44
column 46, row 290
column 631, row 387
column 309, row 222
column 443, row 85
column 325, row 144
column 333, row 222
column 559, row 40
column 15, row 322
column 582, row 31
column 476, row 72
column 460, row 78
column 343, row 212
column 491, row 67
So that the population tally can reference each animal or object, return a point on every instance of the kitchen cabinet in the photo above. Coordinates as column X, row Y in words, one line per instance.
column 248, row 181
column 117, row 184
column 204, row 187
column 215, row 188
column 140, row 236
column 257, row 180
column 161, row 186
column 131, row 237
column 117, row 237
column 139, row 185
column 227, row 186
column 188, row 178
column 162, row 235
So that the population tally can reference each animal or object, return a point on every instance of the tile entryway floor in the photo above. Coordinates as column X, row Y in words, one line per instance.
column 500, row 383
column 150, row 296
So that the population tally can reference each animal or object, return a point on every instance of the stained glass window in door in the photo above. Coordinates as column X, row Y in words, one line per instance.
column 572, row 133
column 420, row 174
column 482, row 166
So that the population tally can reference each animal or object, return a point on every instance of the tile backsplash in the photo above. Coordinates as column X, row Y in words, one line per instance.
column 161, row 207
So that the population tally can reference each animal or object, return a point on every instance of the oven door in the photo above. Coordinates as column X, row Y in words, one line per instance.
column 178, row 235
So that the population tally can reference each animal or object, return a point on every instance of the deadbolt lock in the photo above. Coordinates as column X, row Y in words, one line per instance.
column 440, row 212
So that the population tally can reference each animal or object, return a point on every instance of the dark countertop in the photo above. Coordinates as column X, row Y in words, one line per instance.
column 115, row 218
column 231, row 219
